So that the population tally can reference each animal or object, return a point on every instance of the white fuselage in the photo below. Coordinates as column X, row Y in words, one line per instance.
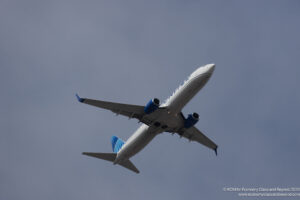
column 174, row 104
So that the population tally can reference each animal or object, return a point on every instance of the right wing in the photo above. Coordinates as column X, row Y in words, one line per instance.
column 128, row 110
column 194, row 134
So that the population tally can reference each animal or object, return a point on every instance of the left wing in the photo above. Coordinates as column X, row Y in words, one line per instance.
column 131, row 111
column 194, row 134
column 128, row 110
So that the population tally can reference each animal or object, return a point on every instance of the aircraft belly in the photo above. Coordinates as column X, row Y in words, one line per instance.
column 143, row 135
column 187, row 92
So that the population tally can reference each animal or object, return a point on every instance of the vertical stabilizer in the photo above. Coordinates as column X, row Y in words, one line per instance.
column 116, row 143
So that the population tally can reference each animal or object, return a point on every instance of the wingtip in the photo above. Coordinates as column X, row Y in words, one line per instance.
column 216, row 151
column 79, row 98
column 85, row 153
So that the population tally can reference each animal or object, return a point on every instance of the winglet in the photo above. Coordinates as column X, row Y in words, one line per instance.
column 216, row 150
column 79, row 99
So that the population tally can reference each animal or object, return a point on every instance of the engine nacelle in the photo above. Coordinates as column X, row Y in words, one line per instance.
column 151, row 106
column 191, row 120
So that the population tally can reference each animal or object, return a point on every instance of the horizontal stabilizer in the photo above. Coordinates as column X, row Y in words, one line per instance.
column 129, row 165
column 105, row 156
column 111, row 157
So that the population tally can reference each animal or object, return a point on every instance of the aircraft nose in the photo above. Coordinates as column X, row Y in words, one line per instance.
column 210, row 68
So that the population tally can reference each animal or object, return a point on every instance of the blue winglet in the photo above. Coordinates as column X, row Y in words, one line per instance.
column 79, row 99
column 216, row 150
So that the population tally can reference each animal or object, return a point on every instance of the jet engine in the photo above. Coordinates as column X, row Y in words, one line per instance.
column 191, row 120
column 151, row 106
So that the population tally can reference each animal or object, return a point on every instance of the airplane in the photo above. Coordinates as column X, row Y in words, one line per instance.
column 156, row 119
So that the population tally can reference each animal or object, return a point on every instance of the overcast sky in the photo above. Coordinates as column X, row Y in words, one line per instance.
column 130, row 52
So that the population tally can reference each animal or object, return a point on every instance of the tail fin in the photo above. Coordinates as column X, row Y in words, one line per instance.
column 116, row 143
column 111, row 157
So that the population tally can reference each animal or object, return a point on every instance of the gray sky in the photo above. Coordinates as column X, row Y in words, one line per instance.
column 130, row 52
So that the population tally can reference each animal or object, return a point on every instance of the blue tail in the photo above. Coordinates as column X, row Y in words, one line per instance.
column 116, row 143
